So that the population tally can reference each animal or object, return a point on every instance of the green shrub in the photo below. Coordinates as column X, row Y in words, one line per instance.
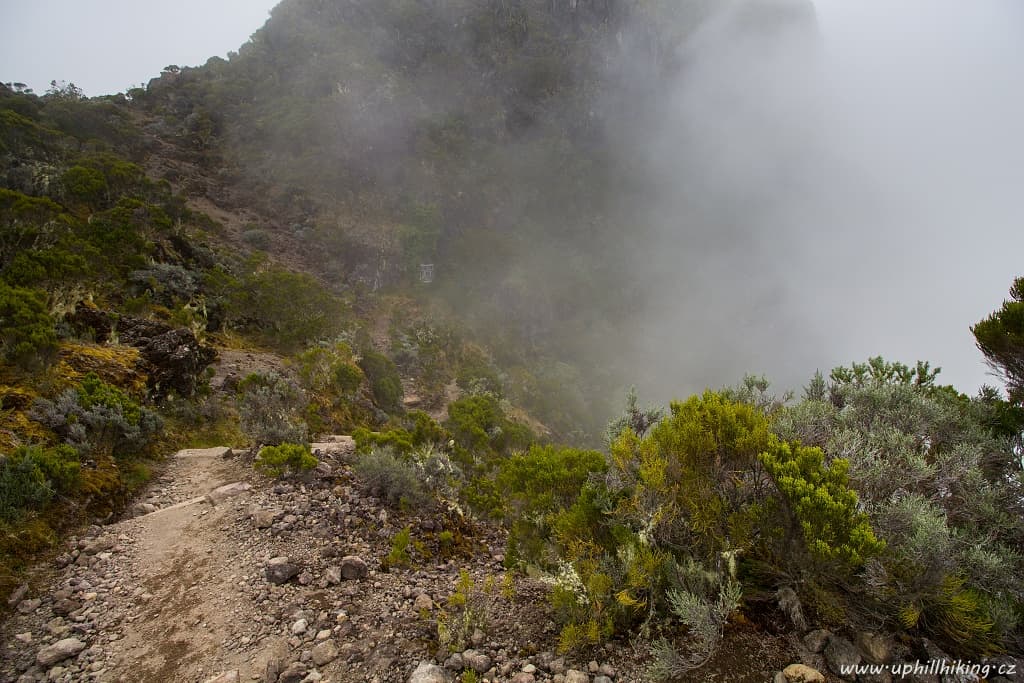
column 275, row 461
column 85, row 185
column 347, row 377
column 819, row 503
column 27, row 335
column 538, row 488
column 270, row 410
column 399, row 554
column 398, row 440
column 23, row 487
column 286, row 310
column 98, row 419
column 385, row 382
column 391, row 478
column 478, row 423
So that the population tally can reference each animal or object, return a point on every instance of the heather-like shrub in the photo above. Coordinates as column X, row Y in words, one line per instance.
column 23, row 486
column 275, row 461
column 818, row 507
column 27, row 335
column 385, row 382
column 269, row 411
column 392, row 478
column 478, row 423
column 940, row 482
column 98, row 419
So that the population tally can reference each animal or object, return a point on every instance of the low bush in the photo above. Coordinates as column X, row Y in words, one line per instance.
column 385, row 382
column 270, row 410
column 275, row 461
column 99, row 420
column 27, row 335
column 392, row 478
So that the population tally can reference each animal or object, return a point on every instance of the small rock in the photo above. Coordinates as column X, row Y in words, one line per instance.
column 25, row 638
column 799, row 673
column 841, row 655
column 226, row 677
column 557, row 666
column 454, row 662
column 294, row 673
column 299, row 627
column 279, row 570
column 422, row 603
column 59, row 651
column 324, row 653
column 815, row 641
column 602, row 679
column 354, row 567
column 478, row 637
column 264, row 519
column 332, row 576
column 476, row 660
column 222, row 493
column 428, row 673
column 875, row 647
column 141, row 509
column 18, row 595
column 29, row 606
column 523, row 677
column 576, row 676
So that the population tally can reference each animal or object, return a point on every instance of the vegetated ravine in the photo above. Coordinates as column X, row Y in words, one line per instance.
column 406, row 259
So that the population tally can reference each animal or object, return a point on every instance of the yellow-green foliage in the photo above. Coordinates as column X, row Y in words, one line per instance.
column 117, row 365
column 399, row 554
column 465, row 611
column 821, row 504
column 274, row 461
column 27, row 335
column 538, row 487
column 331, row 380
column 959, row 617
column 685, row 478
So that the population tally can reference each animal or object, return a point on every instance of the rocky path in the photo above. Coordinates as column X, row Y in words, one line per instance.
column 224, row 575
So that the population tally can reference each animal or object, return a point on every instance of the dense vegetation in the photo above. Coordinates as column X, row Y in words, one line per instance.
column 880, row 499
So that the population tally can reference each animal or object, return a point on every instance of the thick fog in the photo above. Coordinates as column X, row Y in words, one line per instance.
column 822, row 195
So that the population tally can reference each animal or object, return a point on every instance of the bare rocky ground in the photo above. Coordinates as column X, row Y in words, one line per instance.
column 186, row 591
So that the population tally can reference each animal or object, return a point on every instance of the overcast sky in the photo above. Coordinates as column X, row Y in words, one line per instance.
column 108, row 46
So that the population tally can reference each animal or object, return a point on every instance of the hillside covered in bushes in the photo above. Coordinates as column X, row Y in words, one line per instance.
column 234, row 255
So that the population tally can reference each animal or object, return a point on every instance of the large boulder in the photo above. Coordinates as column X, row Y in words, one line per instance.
column 174, row 358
